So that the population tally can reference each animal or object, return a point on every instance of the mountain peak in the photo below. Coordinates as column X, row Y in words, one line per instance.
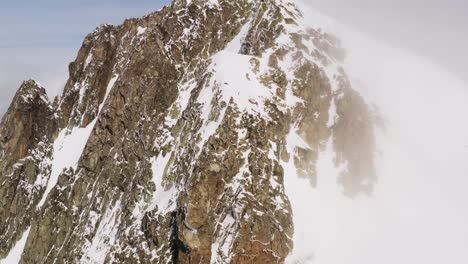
column 30, row 93
column 175, row 135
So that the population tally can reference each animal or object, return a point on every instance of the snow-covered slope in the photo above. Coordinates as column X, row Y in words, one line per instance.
column 232, row 132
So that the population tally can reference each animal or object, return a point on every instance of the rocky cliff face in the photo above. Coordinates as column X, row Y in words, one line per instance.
column 174, row 135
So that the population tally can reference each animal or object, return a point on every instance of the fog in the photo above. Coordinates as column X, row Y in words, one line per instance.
column 418, row 211
column 435, row 29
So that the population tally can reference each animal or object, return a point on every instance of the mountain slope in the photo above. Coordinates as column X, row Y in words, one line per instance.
column 174, row 135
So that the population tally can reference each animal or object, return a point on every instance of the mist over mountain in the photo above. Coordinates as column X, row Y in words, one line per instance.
column 215, row 131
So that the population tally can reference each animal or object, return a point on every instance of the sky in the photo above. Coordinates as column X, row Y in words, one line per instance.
column 39, row 38
column 417, row 77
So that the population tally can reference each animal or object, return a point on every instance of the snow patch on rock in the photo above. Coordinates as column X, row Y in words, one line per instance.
column 14, row 256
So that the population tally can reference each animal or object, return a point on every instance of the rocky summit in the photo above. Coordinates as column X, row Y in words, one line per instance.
column 174, row 136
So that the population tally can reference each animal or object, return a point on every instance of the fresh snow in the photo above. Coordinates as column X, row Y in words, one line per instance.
column 332, row 115
column 68, row 148
column 234, row 46
column 213, row 2
column 14, row 256
column 221, row 248
column 105, row 237
column 141, row 31
column 233, row 73
column 162, row 198
column 231, row 70
column 296, row 140
column 88, row 60
column 109, row 87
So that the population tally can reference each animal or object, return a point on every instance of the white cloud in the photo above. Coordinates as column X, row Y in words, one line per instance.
column 47, row 66
column 418, row 212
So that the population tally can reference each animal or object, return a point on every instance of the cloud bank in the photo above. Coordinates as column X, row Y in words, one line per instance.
column 418, row 212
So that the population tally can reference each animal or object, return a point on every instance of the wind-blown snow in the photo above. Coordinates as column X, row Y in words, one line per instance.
column 15, row 253
column 417, row 213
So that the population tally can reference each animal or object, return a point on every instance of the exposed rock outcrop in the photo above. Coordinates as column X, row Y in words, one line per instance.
column 27, row 131
column 184, row 120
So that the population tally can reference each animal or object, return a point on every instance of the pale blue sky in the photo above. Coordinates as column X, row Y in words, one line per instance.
column 39, row 38
column 55, row 23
